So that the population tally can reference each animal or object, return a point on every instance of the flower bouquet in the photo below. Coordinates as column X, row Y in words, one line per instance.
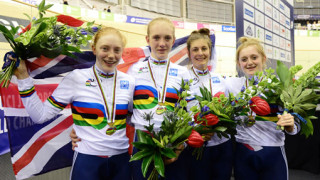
column 295, row 96
column 253, row 98
column 299, row 95
column 156, row 146
column 216, row 114
column 44, row 36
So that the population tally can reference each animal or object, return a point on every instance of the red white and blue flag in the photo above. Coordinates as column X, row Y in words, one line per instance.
column 39, row 148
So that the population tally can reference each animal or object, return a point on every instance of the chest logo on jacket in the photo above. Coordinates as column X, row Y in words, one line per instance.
column 195, row 81
column 173, row 72
column 124, row 84
column 143, row 69
column 90, row 82
column 215, row 80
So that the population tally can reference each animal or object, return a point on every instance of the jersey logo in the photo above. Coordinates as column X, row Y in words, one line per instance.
column 195, row 81
column 173, row 72
column 215, row 80
column 143, row 69
column 124, row 84
column 90, row 82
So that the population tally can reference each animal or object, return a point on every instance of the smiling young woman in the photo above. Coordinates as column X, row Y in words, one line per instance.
column 99, row 98
column 155, row 89
column 216, row 161
column 259, row 150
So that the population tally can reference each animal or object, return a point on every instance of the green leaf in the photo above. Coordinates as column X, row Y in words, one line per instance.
column 296, row 93
column 284, row 74
column 304, row 96
column 225, row 135
column 220, row 128
column 194, row 109
column 74, row 49
column 144, row 137
column 180, row 133
column 47, row 7
column 157, row 143
column 142, row 145
column 313, row 117
column 308, row 106
column 297, row 109
column 286, row 96
column 14, row 30
column 90, row 23
column 28, row 16
column 168, row 152
column 158, row 163
column 41, row 5
column 145, row 164
column 141, row 154
column 6, row 32
column 307, row 129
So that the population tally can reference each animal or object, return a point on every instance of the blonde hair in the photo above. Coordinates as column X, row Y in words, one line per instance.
column 108, row 30
column 160, row 19
column 245, row 42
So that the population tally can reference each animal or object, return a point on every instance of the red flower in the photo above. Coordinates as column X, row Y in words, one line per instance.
column 211, row 119
column 196, row 117
column 195, row 140
column 70, row 21
column 26, row 29
column 218, row 94
column 260, row 106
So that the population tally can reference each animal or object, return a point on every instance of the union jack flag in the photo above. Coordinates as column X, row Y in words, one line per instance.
column 40, row 148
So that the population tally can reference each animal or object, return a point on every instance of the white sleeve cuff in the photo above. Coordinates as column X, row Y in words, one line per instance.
column 296, row 129
column 24, row 84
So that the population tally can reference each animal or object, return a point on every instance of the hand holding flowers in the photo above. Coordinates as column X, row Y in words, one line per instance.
column 44, row 37
column 295, row 96
column 164, row 146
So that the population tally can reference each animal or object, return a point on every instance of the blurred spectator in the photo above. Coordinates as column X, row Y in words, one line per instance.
column 94, row 7
column 298, row 26
column 318, row 25
column 308, row 25
column 65, row 2
column 314, row 25
column 109, row 10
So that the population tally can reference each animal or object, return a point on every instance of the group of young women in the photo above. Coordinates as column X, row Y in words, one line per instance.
column 102, row 96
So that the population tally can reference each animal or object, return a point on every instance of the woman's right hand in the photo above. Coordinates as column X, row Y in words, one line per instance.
column 21, row 72
column 74, row 139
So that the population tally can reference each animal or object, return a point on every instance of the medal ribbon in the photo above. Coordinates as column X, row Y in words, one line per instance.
column 103, row 95
column 164, row 89
column 199, row 79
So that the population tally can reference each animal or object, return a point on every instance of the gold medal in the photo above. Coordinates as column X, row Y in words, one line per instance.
column 161, row 95
column 251, row 121
column 161, row 109
column 110, row 115
column 111, row 130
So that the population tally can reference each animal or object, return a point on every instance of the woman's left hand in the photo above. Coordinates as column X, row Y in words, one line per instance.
column 286, row 121
column 178, row 151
